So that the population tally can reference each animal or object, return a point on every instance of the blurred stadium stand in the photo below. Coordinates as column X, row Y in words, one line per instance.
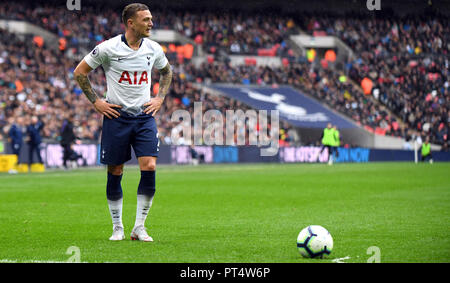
column 386, row 72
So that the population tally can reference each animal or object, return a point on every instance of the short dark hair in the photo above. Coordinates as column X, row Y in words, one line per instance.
column 130, row 10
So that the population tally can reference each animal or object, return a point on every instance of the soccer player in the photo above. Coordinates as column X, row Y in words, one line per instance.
column 128, row 110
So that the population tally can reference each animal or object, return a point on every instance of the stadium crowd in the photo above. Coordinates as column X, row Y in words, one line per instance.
column 406, row 59
column 36, row 81
column 325, row 85
column 237, row 33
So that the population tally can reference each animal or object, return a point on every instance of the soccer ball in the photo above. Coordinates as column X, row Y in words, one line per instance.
column 314, row 242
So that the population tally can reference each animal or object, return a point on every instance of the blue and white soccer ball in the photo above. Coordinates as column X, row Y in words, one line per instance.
column 314, row 242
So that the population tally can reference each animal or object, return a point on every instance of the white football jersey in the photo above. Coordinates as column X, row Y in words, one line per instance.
column 127, row 71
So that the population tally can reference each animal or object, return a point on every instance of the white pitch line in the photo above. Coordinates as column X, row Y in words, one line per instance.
column 7, row 261
column 33, row 261
column 340, row 260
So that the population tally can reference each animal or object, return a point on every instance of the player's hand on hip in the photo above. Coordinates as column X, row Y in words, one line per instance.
column 153, row 105
column 106, row 108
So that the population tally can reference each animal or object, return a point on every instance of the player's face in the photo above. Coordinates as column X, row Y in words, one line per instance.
column 142, row 23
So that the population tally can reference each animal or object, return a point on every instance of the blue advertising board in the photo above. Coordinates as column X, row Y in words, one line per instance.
column 52, row 155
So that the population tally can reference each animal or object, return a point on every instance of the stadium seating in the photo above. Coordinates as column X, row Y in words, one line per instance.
column 404, row 58
column 407, row 59
column 54, row 97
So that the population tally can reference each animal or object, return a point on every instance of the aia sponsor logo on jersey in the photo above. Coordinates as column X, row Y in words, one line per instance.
column 134, row 78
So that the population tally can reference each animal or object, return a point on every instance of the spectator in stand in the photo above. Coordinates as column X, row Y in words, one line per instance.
column 406, row 59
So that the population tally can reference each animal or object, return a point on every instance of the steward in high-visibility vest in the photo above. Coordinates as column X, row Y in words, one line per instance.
column 336, row 140
column 426, row 151
column 328, row 136
column 327, row 142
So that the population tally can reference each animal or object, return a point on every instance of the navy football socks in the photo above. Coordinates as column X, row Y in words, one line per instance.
column 113, row 187
column 147, row 183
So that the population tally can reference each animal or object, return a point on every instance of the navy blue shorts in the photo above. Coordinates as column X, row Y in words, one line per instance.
column 15, row 146
column 126, row 131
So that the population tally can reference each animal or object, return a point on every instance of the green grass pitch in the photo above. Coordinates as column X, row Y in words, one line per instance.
column 233, row 213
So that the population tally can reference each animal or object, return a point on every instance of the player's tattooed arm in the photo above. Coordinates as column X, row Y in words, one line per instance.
column 164, row 81
column 85, row 85
column 101, row 106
